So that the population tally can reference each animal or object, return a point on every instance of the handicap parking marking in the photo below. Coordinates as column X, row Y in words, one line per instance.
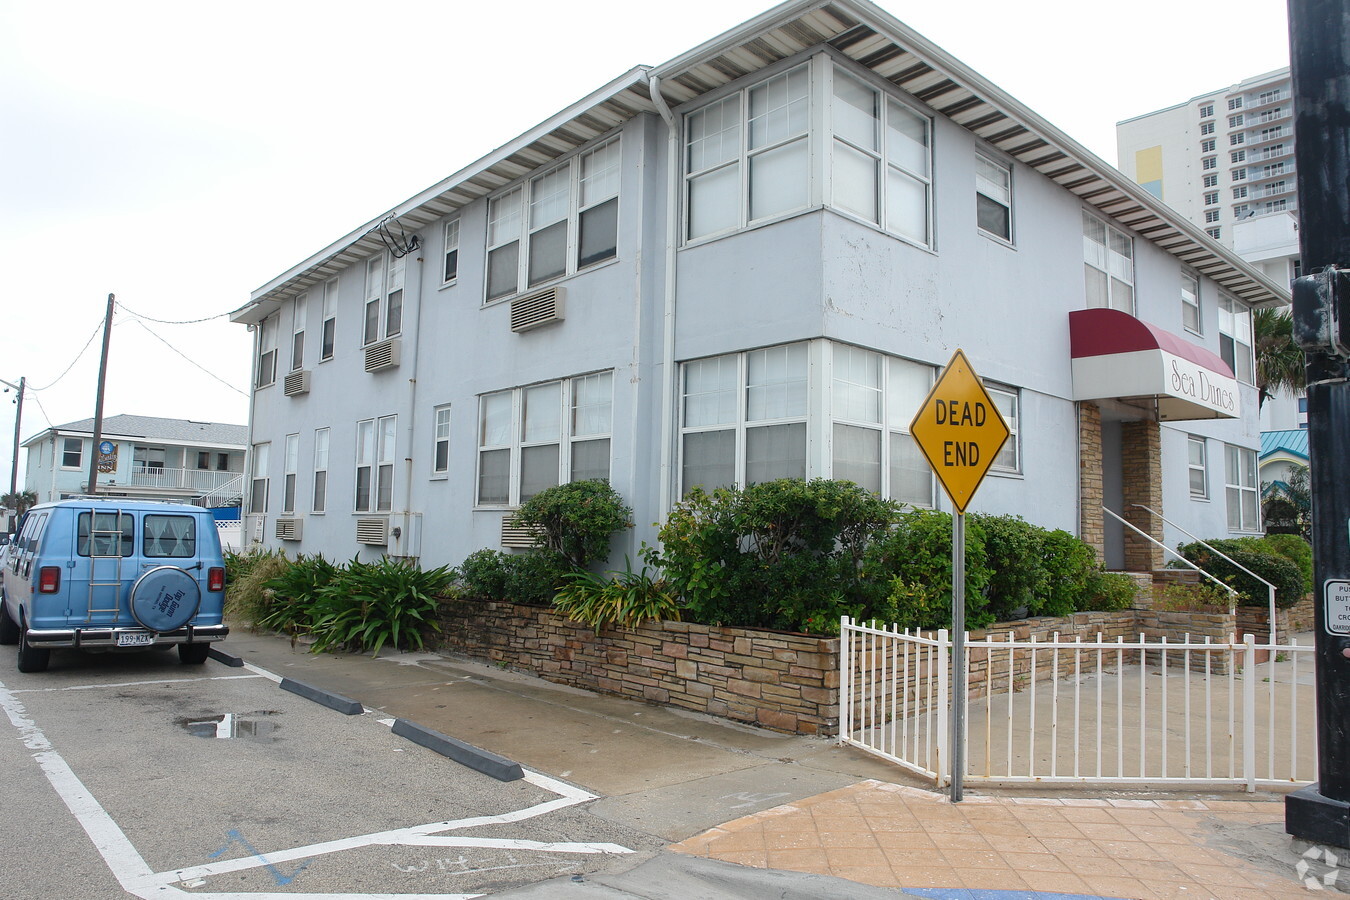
column 138, row 879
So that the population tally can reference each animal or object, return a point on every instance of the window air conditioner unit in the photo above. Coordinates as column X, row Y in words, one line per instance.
column 373, row 531
column 518, row 537
column 537, row 309
column 290, row 528
column 296, row 383
column 383, row 355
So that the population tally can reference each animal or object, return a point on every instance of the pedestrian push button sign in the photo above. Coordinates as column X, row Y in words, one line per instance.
column 959, row 430
column 1338, row 607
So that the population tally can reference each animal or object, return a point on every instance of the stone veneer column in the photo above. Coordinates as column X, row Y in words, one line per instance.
column 1141, row 460
column 1091, row 526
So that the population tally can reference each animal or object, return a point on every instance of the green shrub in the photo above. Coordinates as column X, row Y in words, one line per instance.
column 1109, row 591
column 628, row 598
column 1296, row 549
column 368, row 605
column 1070, row 571
column 1206, row 597
column 247, row 596
column 530, row 578
column 577, row 520
column 912, row 564
column 1049, row 573
column 292, row 593
column 1278, row 570
column 783, row 554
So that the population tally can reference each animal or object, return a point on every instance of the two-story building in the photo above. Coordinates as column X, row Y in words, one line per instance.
column 142, row 457
column 747, row 263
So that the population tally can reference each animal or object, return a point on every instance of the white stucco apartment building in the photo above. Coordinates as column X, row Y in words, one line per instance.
column 747, row 263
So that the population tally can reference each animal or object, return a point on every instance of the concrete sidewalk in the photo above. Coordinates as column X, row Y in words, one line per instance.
column 735, row 794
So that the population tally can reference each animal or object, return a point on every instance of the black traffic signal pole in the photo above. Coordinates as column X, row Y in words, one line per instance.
column 1319, row 40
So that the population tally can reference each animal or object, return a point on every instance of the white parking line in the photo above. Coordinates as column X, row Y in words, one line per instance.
column 135, row 876
column 118, row 684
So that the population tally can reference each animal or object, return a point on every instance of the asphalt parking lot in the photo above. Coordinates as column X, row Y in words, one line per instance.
column 209, row 781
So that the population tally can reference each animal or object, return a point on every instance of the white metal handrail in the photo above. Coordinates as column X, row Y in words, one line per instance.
column 1270, row 588
column 1232, row 593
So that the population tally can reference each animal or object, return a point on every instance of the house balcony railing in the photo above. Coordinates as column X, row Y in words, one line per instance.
column 196, row 481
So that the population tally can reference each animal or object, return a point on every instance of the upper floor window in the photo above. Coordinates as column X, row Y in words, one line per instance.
column 1244, row 513
column 1236, row 138
column 1108, row 265
column 558, row 222
column 290, row 473
column 1214, row 232
column 257, row 495
column 298, row 332
column 1190, row 302
column 1197, row 466
column 1211, row 198
column 1207, row 111
column 1239, row 174
column 1209, row 162
column 148, row 460
column 1207, row 146
column 267, row 352
column 1237, row 156
column 440, row 451
column 1235, row 121
column 384, row 298
column 1235, row 337
column 1239, row 192
column 1235, row 103
column 329, row 329
column 531, row 438
column 1211, row 180
column 450, row 269
column 1211, row 215
column 72, row 453
column 1009, row 403
column 993, row 197
column 1207, row 128
column 880, row 161
column 1268, row 96
column 320, row 470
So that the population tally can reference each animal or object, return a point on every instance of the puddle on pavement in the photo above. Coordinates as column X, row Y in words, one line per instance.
column 253, row 726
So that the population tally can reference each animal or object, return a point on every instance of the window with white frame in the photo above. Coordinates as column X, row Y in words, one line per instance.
column 534, row 437
column 298, row 332
column 1239, row 174
column 1236, row 139
column 880, row 158
column 375, row 464
column 257, row 496
column 560, row 221
column 1237, row 156
column 440, row 447
column 1241, row 489
column 328, row 333
column 1207, row 128
column 1211, row 215
column 147, row 459
column 267, row 352
column 72, row 453
column 993, row 197
column 450, row 268
column 1268, row 97
column 1209, row 162
column 1235, row 103
column 1235, row 337
column 291, row 473
column 1272, row 133
column 1235, row 121
column 1197, row 465
column 320, row 503
column 1271, row 206
column 1211, row 198
column 384, row 298
column 1214, row 232
column 1009, row 403
column 1190, row 302
column 872, row 400
column 1240, row 193
column 1108, row 265
column 1211, row 180
column 1207, row 146
column 1207, row 111
column 1241, row 210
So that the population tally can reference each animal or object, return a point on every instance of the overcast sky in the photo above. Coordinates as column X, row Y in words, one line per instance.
column 181, row 154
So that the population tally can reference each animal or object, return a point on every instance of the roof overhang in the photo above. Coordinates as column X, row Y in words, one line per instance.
column 870, row 37
column 1119, row 357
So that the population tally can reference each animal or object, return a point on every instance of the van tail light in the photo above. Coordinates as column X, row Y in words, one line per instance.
column 215, row 579
column 49, row 579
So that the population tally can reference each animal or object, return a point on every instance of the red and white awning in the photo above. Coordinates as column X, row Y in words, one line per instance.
column 1116, row 356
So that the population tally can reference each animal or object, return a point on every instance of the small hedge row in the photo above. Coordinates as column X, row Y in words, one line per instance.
column 1285, row 560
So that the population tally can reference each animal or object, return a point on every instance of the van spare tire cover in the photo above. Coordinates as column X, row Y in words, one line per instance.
column 165, row 598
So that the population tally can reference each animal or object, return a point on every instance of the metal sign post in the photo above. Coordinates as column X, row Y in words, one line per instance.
column 960, row 431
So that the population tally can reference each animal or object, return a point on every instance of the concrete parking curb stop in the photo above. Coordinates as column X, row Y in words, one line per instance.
column 485, row 761
column 345, row 705
column 228, row 659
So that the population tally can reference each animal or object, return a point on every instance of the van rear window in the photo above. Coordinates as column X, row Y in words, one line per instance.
column 173, row 537
column 110, row 530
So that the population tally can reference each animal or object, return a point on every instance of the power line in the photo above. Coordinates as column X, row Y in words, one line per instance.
column 189, row 359
column 170, row 321
column 97, row 329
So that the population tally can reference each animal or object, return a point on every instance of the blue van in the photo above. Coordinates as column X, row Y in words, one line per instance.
column 113, row 574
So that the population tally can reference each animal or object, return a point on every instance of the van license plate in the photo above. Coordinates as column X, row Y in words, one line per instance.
column 135, row 639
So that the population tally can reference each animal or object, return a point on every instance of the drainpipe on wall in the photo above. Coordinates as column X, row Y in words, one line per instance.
column 246, row 476
column 410, row 431
column 668, row 382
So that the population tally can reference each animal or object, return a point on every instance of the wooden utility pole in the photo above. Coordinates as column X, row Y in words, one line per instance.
column 98, row 402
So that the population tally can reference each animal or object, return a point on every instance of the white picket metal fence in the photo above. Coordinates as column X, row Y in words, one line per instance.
column 1147, row 711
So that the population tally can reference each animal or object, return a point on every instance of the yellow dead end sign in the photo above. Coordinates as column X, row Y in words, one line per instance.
column 959, row 430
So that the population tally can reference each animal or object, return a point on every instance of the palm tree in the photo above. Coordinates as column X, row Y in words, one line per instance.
column 1279, row 361
column 20, row 501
